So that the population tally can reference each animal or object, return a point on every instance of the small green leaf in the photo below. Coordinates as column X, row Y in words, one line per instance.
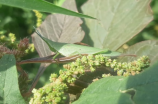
column 42, row 6
column 9, row 88
column 138, row 89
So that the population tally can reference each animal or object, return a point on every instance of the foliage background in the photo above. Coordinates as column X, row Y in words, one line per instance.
column 21, row 22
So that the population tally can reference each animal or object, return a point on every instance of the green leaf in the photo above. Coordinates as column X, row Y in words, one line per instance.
column 148, row 48
column 9, row 88
column 42, row 6
column 119, row 21
column 138, row 89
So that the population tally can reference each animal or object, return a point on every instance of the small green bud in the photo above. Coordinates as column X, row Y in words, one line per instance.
column 106, row 75
column 138, row 69
column 81, row 71
column 68, row 73
column 120, row 72
column 61, row 72
column 73, row 65
column 124, row 65
column 102, row 59
column 107, row 64
column 115, row 69
column 103, row 75
column 134, row 69
column 92, row 69
column 137, row 72
column 112, row 65
column 57, row 99
column 75, row 72
column 48, row 90
column 66, row 66
column 78, row 60
column 97, row 57
column 90, row 57
column 63, row 77
column 53, row 77
column 77, row 63
column 84, row 59
column 91, row 63
column 73, row 80
column 109, row 60
column 126, row 74
column 97, row 63
column 34, row 90
column 64, row 98
column 119, row 65
column 80, row 67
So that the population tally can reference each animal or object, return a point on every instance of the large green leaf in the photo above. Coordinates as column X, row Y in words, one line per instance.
column 138, row 89
column 118, row 21
column 148, row 48
column 9, row 88
column 42, row 6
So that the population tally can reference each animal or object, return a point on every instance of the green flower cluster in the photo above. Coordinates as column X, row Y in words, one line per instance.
column 10, row 39
column 18, row 52
column 132, row 68
column 52, row 93
column 30, row 49
column 39, row 17
column 19, row 48
column 55, row 91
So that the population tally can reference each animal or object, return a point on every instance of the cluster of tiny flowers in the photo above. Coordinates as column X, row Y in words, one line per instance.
column 39, row 17
column 132, row 68
column 55, row 91
column 23, row 44
column 31, row 48
column 11, row 39
column 52, row 93
column 12, row 42
column 106, row 75
column 19, row 52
